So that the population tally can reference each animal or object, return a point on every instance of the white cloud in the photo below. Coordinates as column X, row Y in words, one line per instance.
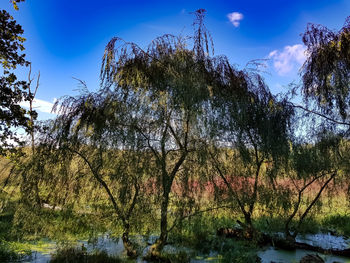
column 39, row 105
column 290, row 58
column 235, row 18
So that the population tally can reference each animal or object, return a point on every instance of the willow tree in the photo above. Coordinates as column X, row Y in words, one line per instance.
column 167, row 88
column 251, row 138
column 88, row 132
column 326, row 72
column 326, row 80
column 312, row 169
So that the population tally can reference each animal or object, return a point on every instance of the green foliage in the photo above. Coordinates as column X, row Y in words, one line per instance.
column 172, row 132
column 12, row 91
column 178, row 257
column 199, row 234
column 309, row 160
column 338, row 223
column 15, row 2
column 326, row 70
column 61, row 226
column 311, row 225
column 80, row 255
column 9, row 252
column 11, row 42
column 165, row 89
column 240, row 252
column 268, row 224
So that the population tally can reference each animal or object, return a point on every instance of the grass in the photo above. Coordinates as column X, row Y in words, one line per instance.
column 311, row 224
column 239, row 252
column 197, row 233
column 12, row 252
column 200, row 235
column 339, row 223
column 171, row 257
column 79, row 255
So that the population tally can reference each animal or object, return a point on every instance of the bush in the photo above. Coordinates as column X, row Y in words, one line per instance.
column 8, row 253
column 239, row 252
column 79, row 255
column 180, row 257
column 339, row 223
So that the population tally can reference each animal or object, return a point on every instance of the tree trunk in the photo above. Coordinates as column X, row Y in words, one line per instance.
column 249, row 231
column 158, row 246
column 248, row 220
column 128, row 246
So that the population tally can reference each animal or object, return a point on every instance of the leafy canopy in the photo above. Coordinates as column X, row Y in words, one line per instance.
column 326, row 72
column 12, row 91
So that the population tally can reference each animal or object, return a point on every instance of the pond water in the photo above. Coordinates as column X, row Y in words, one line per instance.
column 284, row 256
column 42, row 253
column 114, row 246
column 324, row 240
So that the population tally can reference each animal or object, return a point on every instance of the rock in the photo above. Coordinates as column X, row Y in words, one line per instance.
column 312, row 259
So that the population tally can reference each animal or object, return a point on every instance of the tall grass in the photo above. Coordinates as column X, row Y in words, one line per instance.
column 79, row 255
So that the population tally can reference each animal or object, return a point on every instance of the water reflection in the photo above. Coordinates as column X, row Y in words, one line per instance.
column 114, row 246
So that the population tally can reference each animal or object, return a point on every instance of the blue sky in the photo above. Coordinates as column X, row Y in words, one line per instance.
column 66, row 39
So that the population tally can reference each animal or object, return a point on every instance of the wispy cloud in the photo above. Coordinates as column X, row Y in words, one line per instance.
column 235, row 18
column 289, row 58
column 39, row 105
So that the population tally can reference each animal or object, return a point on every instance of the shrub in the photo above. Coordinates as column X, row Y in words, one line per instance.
column 79, row 255
column 8, row 253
